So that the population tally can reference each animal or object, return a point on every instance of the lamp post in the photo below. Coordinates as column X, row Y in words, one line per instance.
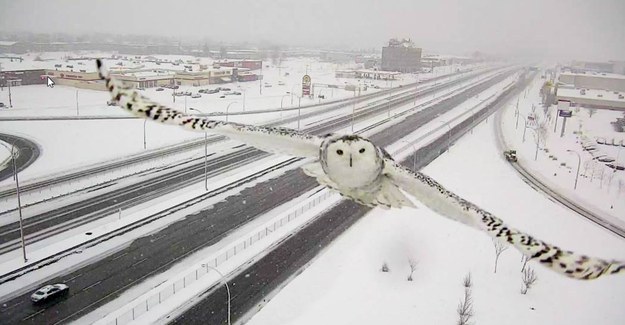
column 205, row 153
column 14, row 154
column 448, row 134
column 281, row 103
column 223, row 279
column 579, row 160
column 524, row 124
column 144, row 141
column 227, row 108
column 414, row 155
column 537, row 143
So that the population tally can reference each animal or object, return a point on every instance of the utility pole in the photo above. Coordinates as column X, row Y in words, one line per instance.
column 19, row 202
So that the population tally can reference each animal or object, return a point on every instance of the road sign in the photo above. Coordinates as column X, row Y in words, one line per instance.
column 306, row 85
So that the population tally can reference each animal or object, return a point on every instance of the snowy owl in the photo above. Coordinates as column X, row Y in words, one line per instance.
column 367, row 174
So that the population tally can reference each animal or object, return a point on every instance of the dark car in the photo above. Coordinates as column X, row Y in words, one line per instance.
column 160, row 89
column 225, row 89
column 49, row 292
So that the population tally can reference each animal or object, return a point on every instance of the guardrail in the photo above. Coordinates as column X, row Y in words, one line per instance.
column 173, row 287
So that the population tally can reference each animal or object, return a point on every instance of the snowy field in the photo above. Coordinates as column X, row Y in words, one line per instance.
column 599, row 188
column 345, row 284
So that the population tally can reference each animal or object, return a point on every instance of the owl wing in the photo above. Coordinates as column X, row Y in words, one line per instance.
column 271, row 139
column 436, row 197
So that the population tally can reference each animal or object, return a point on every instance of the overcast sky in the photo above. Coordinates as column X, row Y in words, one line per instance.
column 553, row 28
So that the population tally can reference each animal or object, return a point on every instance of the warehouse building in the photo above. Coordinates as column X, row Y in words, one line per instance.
column 401, row 56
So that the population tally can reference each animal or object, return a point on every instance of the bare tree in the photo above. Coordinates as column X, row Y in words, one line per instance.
column 413, row 266
column 465, row 307
column 499, row 248
column 524, row 260
column 467, row 282
column 529, row 278
column 385, row 267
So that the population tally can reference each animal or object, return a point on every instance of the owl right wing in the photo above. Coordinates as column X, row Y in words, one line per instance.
column 271, row 139
column 448, row 204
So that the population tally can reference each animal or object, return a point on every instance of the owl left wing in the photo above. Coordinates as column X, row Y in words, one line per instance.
column 448, row 204
column 271, row 139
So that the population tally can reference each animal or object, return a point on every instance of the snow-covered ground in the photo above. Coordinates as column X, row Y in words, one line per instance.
column 599, row 188
column 145, row 290
column 345, row 285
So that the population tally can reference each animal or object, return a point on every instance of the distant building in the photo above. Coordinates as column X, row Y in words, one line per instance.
column 401, row 56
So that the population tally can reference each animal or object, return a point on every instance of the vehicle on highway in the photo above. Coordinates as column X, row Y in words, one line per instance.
column 49, row 292
column 510, row 155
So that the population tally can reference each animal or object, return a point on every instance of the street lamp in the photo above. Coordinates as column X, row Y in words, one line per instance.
column 524, row 124
column 414, row 155
column 281, row 102
column 223, row 279
column 227, row 108
column 144, row 142
column 537, row 143
column 15, row 152
column 448, row 134
column 579, row 160
column 205, row 153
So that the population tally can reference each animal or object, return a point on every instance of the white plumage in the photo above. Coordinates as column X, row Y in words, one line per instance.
column 358, row 169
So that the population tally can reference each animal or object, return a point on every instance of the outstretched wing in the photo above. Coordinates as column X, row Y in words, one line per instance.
column 436, row 197
column 270, row 139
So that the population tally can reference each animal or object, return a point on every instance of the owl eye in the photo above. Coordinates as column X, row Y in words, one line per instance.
column 361, row 150
column 339, row 152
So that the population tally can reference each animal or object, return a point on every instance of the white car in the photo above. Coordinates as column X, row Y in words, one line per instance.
column 49, row 291
column 196, row 96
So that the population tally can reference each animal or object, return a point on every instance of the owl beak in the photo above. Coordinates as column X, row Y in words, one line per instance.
column 350, row 160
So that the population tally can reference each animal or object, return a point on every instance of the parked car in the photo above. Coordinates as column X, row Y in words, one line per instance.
column 49, row 292
column 606, row 159
column 222, row 96
column 614, row 166
column 160, row 89
column 175, row 87
column 267, row 85
column 224, row 89
column 196, row 96
column 2, row 105
column 212, row 91
column 140, row 88
column 280, row 83
column 111, row 103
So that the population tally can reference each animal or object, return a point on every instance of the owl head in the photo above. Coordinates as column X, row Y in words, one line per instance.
column 351, row 160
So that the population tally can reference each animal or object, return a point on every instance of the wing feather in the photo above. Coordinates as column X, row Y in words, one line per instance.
column 271, row 139
column 438, row 198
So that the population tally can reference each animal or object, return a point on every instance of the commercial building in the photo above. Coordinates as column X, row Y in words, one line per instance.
column 401, row 56
column 247, row 64
column 594, row 80
column 592, row 89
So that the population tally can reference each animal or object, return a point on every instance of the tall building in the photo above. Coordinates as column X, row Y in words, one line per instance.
column 401, row 55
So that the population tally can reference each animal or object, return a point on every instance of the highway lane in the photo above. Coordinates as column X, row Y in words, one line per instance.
column 28, row 153
column 97, row 283
column 252, row 287
column 90, row 171
column 82, row 212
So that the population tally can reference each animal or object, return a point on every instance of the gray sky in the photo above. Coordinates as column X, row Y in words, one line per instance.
column 550, row 28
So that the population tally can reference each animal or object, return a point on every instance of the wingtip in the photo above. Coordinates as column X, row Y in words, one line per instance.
column 100, row 66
